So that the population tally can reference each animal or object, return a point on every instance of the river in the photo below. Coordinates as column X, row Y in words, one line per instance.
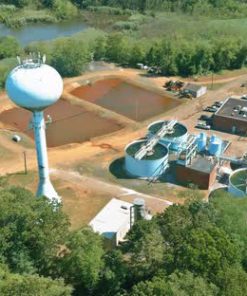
column 39, row 31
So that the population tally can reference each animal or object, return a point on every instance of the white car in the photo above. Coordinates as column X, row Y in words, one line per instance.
column 203, row 125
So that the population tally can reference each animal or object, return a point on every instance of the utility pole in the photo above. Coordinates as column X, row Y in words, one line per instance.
column 212, row 84
column 25, row 161
column 136, row 109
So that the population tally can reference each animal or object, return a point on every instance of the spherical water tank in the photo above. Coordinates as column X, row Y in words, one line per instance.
column 215, row 146
column 175, row 139
column 201, row 142
column 34, row 86
column 153, row 164
column 238, row 183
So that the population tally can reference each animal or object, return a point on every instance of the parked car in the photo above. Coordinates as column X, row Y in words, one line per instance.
column 211, row 109
column 218, row 103
column 203, row 125
column 244, row 97
column 206, row 117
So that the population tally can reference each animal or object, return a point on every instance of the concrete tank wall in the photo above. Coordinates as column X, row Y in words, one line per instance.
column 175, row 140
column 234, row 179
column 148, row 166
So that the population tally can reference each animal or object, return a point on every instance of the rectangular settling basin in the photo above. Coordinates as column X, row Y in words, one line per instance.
column 125, row 98
column 70, row 123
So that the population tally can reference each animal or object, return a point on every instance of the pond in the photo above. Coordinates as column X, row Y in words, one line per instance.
column 39, row 31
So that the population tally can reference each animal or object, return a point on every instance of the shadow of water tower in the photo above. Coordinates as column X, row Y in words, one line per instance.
column 34, row 86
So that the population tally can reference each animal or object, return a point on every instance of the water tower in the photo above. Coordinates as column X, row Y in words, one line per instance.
column 34, row 86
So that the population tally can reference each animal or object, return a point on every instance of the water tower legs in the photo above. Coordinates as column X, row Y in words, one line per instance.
column 45, row 188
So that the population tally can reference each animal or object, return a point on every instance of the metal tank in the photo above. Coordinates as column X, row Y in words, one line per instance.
column 215, row 146
column 201, row 142
column 175, row 139
column 153, row 164
column 238, row 183
column 34, row 86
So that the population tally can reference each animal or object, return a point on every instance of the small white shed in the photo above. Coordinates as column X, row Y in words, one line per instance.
column 113, row 221
column 195, row 90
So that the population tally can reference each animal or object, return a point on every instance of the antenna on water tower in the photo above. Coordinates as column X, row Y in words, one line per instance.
column 34, row 86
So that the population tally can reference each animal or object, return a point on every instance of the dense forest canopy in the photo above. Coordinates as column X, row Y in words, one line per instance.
column 196, row 249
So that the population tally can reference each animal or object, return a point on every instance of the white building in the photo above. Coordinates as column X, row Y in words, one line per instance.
column 195, row 90
column 113, row 221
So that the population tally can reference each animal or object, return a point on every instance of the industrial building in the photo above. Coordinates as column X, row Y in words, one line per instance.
column 195, row 156
column 200, row 172
column 113, row 221
column 116, row 218
column 194, row 90
column 232, row 117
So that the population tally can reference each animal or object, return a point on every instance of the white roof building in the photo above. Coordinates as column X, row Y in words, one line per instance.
column 195, row 90
column 113, row 221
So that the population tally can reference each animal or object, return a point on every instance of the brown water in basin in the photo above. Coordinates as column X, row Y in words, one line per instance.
column 124, row 98
column 70, row 123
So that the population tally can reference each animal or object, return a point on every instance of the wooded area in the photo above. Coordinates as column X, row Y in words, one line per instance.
column 171, row 44
column 193, row 249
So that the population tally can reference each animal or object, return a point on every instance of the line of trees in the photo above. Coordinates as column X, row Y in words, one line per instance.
column 172, row 56
column 189, row 250
column 70, row 56
column 203, row 6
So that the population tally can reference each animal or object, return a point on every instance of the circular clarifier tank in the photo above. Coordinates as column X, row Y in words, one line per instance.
column 153, row 164
column 34, row 86
column 175, row 138
column 238, row 183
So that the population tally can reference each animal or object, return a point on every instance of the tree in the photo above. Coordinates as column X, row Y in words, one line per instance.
column 115, row 274
column 166, row 57
column 232, row 281
column 205, row 252
column 117, row 49
column 9, row 47
column 64, row 9
column 137, row 55
column 70, row 57
column 177, row 284
column 31, row 231
column 30, row 285
column 83, row 261
column 99, row 48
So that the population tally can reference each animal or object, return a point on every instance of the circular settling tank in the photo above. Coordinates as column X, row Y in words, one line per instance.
column 175, row 138
column 238, row 183
column 153, row 164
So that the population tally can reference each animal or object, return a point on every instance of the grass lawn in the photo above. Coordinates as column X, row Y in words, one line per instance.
column 80, row 204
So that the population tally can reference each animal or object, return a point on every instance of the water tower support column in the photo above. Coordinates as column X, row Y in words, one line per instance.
column 45, row 187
